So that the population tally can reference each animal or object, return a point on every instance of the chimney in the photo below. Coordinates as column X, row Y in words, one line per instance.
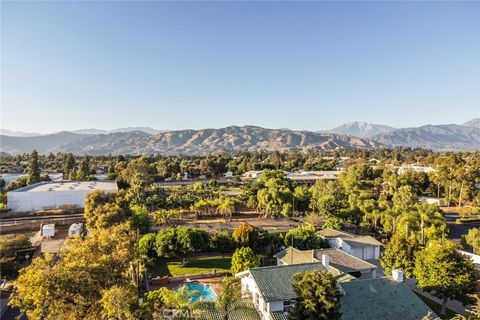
column 326, row 261
column 397, row 275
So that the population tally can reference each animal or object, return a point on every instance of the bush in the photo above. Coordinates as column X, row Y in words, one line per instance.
column 147, row 247
column 221, row 242
column 303, row 238
column 245, row 235
column 244, row 259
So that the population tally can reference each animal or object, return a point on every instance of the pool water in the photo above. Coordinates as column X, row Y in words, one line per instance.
column 204, row 292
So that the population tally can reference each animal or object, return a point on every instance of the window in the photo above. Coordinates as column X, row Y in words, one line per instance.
column 287, row 304
column 265, row 307
column 256, row 299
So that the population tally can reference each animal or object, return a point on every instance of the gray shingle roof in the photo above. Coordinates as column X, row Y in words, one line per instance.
column 350, row 238
column 340, row 260
column 343, row 261
column 278, row 315
column 292, row 255
column 276, row 282
column 381, row 298
column 242, row 309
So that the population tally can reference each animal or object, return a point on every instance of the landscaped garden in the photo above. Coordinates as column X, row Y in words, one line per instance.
column 194, row 266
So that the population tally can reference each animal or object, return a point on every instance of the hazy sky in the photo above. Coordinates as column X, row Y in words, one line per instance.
column 175, row 65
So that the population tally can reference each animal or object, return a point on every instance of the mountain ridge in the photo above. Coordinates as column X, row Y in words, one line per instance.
column 361, row 129
column 188, row 141
column 448, row 137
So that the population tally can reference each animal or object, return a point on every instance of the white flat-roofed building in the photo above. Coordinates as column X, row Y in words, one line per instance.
column 312, row 176
column 51, row 195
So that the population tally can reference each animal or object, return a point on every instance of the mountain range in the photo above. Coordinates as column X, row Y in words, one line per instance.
column 361, row 129
column 141, row 140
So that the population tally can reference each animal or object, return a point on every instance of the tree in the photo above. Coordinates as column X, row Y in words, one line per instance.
column 159, row 303
column 329, row 198
column 230, row 293
column 445, row 272
column 68, row 165
column 245, row 235
column 190, row 240
column 71, row 286
column 147, row 247
column 303, row 238
column 10, row 246
column 119, row 302
column 404, row 199
column 165, row 243
column 139, row 174
column 244, row 259
column 399, row 254
column 103, row 210
column 318, row 297
column 227, row 207
column 34, row 169
column 222, row 242
column 83, row 172
column 333, row 223
column 166, row 216
column 274, row 195
column 473, row 239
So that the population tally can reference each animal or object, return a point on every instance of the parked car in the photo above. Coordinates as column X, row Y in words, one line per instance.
column 75, row 229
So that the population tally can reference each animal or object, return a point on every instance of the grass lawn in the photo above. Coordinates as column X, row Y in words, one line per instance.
column 195, row 265
column 436, row 307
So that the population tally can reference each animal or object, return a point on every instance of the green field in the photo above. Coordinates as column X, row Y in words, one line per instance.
column 436, row 307
column 196, row 265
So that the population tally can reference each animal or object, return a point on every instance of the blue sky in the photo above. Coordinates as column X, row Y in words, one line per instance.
column 176, row 65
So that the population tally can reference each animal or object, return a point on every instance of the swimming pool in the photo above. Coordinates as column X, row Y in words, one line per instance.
column 204, row 292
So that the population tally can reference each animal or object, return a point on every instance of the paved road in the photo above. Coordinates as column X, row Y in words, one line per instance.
column 457, row 230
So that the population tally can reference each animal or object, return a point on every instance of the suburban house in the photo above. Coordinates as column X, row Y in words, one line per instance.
column 271, row 288
column 272, row 293
column 331, row 258
column 361, row 246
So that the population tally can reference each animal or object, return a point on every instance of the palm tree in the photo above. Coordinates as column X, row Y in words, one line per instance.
column 227, row 207
column 230, row 293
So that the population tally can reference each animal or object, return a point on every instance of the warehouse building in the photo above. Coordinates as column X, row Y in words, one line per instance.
column 52, row 195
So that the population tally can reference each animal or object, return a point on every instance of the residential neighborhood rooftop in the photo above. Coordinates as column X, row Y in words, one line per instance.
column 339, row 259
column 343, row 261
column 381, row 298
column 276, row 283
column 350, row 238
column 70, row 186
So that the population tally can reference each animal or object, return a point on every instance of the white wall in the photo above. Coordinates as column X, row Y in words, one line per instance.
column 475, row 258
column 252, row 289
column 43, row 200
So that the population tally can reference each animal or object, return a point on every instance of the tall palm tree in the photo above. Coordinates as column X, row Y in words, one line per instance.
column 227, row 208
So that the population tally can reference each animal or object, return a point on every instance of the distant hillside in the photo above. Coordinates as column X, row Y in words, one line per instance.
column 43, row 144
column 17, row 133
column 361, row 129
column 127, row 129
column 473, row 123
column 440, row 137
column 185, row 141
